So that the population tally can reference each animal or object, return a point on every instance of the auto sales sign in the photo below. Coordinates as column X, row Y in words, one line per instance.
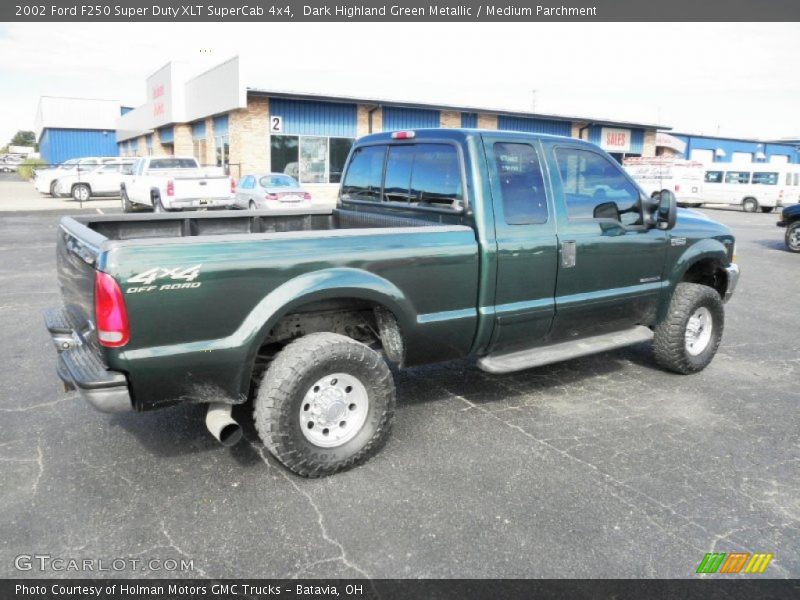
column 615, row 140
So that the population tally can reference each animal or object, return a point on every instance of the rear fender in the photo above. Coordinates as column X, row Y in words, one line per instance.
column 328, row 284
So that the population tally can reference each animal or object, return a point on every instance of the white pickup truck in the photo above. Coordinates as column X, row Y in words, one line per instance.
column 165, row 183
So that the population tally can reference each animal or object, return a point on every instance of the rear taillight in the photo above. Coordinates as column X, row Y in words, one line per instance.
column 233, row 185
column 271, row 197
column 306, row 196
column 110, row 315
column 170, row 188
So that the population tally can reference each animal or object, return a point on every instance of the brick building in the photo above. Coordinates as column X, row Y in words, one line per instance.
column 221, row 120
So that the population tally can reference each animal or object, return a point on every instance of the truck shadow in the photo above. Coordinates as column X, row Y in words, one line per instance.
column 180, row 430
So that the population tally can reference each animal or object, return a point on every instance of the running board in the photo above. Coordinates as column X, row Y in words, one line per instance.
column 545, row 355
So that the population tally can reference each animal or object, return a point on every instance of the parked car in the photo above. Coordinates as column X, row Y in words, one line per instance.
column 444, row 244
column 166, row 183
column 272, row 191
column 9, row 164
column 790, row 219
column 100, row 180
column 45, row 179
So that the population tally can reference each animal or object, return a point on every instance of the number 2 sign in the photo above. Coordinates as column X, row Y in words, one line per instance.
column 275, row 124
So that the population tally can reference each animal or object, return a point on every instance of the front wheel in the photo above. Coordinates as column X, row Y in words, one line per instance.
column 325, row 404
column 750, row 205
column 688, row 337
column 793, row 237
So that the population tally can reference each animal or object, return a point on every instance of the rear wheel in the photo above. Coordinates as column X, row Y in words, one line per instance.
column 688, row 337
column 325, row 404
column 252, row 205
column 750, row 205
column 53, row 189
column 793, row 237
column 81, row 192
column 767, row 209
column 127, row 205
column 157, row 206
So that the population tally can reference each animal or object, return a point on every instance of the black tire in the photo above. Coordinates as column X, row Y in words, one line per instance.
column 282, row 395
column 127, row 205
column 252, row 205
column 750, row 205
column 78, row 190
column 53, row 189
column 793, row 237
column 767, row 209
column 669, row 344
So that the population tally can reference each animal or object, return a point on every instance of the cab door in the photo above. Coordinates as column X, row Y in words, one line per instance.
column 610, row 264
column 527, row 252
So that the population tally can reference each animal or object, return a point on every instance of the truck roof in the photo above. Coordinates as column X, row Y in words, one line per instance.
column 460, row 134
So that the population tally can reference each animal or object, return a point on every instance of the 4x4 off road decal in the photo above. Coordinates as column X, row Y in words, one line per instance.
column 184, row 275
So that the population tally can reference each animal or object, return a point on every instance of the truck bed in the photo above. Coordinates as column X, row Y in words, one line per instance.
column 194, row 224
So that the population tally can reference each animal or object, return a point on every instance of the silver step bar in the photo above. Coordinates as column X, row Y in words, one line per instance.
column 545, row 355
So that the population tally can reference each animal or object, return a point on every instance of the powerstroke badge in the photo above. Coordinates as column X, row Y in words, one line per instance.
column 185, row 275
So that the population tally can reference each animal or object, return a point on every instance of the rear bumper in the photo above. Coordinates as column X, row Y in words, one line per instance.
column 81, row 369
column 733, row 279
column 195, row 203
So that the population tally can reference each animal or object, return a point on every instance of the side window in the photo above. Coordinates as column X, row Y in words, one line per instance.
column 363, row 178
column 765, row 178
column 595, row 188
column 397, row 184
column 521, row 184
column 436, row 176
column 737, row 177
column 713, row 177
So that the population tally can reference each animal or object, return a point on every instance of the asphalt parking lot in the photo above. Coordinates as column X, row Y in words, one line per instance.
column 599, row 467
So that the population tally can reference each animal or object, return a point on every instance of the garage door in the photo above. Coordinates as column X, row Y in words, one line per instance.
column 779, row 159
column 703, row 156
column 742, row 157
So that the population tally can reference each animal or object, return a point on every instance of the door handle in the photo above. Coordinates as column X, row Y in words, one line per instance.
column 568, row 251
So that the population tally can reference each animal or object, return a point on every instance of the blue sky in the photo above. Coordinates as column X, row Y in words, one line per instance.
column 727, row 79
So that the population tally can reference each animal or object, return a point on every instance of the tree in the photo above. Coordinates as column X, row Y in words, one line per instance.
column 23, row 138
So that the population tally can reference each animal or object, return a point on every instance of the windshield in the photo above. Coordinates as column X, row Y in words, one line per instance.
column 277, row 181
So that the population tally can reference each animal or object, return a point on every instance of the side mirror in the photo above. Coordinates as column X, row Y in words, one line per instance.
column 667, row 211
column 607, row 210
column 660, row 210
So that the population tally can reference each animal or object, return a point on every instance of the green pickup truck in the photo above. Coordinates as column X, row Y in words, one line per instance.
column 516, row 249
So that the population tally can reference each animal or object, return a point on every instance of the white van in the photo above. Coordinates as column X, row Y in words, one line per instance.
column 683, row 177
column 752, row 186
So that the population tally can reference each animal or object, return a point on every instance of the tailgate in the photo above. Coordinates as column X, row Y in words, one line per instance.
column 202, row 187
column 78, row 248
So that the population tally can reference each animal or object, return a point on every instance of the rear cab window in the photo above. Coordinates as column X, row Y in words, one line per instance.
column 521, row 184
column 417, row 175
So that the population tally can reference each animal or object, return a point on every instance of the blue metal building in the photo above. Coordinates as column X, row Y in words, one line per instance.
column 77, row 127
column 721, row 149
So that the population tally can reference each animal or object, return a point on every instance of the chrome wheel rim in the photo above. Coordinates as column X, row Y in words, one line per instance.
column 698, row 331
column 334, row 410
column 794, row 238
column 82, row 194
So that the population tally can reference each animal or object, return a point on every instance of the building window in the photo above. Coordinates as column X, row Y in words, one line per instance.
column 199, row 150
column 149, row 144
column 309, row 159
